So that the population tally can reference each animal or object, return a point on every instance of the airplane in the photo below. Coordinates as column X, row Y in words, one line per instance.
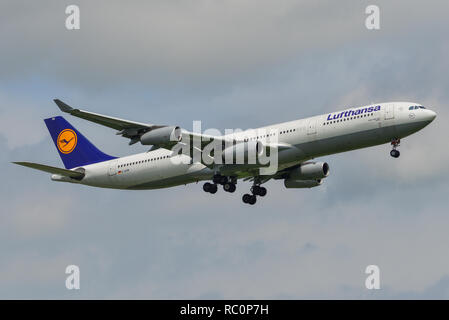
column 296, row 144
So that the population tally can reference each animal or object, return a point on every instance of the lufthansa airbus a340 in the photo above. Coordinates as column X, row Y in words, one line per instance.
column 295, row 144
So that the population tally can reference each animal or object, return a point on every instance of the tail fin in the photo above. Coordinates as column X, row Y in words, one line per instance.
column 74, row 149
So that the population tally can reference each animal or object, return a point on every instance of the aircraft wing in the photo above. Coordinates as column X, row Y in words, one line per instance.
column 127, row 129
column 63, row 172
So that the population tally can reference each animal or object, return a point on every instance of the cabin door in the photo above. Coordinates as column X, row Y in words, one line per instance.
column 311, row 127
column 389, row 111
column 113, row 168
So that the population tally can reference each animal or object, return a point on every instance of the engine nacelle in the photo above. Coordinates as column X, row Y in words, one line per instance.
column 162, row 136
column 243, row 151
column 291, row 183
column 310, row 171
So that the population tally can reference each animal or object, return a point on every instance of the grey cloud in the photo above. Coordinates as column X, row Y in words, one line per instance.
column 185, row 43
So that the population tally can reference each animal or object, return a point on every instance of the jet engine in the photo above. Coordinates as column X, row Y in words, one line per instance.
column 291, row 183
column 162, row 136
column 310, row 171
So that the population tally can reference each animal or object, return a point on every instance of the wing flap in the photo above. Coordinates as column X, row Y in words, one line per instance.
column 63, row 172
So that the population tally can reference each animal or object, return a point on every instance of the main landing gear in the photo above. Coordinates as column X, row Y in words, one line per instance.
column 395, row 143
column 256, row 190
column 228, row 183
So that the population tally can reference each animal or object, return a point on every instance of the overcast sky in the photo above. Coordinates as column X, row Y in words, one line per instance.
column 230, row 64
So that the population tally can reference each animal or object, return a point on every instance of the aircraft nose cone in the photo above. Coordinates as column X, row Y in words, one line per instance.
column 431, row 115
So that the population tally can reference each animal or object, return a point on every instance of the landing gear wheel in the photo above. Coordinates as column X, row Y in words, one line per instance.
column 213, row 188
column 248, row 198
column 252, row 199
column 229, row 187
column 258, row 191
column 209, row 187
column 395, row 153
column 255, row 190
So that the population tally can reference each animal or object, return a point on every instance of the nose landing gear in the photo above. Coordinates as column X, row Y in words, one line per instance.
column 395, row 143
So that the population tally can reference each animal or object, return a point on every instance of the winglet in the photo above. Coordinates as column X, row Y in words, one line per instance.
column 63, row 106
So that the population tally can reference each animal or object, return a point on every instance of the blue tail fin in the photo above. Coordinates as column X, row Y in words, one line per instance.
column 74, row 149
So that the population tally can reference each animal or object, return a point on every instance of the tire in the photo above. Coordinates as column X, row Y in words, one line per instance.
column 262, row 191
column 395, row 153
column 213, row 188
column 255, row 190
column 246, row 197
column 229, row 187
column 252, row 199
column 207, row 187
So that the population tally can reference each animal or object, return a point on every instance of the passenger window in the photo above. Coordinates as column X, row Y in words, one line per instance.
column 411, row 108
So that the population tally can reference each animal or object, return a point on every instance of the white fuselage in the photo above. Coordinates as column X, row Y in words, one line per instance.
column 308, row 138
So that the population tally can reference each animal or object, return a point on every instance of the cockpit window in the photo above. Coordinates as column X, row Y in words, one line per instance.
column 416, row 107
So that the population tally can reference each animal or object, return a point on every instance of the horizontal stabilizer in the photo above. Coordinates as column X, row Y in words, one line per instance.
column 63, row 172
